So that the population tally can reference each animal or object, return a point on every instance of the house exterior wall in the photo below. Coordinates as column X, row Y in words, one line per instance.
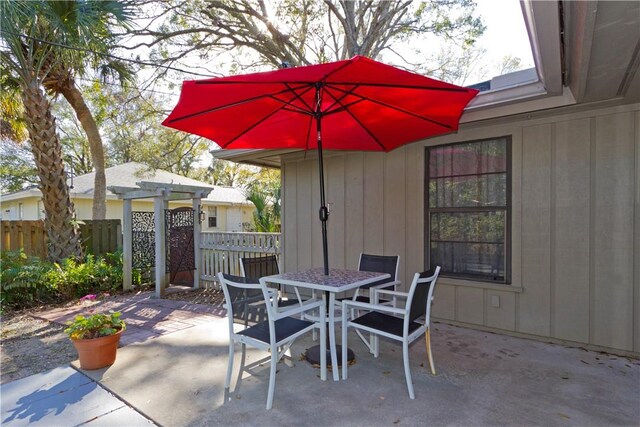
column 575, row 234
column 10, row 211
column 32, row 205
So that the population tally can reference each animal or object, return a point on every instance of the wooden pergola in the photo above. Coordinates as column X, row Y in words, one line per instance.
column 162, row 194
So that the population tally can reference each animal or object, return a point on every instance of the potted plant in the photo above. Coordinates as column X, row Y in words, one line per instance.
column 96, row 338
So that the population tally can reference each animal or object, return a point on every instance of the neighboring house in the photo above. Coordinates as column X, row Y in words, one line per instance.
column 225, row 209
column 538, row 236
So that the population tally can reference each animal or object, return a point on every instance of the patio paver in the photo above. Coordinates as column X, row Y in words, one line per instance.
column 147, row 317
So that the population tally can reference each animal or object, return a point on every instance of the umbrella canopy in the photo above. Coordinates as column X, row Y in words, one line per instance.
column 355, row 104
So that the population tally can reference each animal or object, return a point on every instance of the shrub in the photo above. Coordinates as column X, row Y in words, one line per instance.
column 21, row 280
column 26, row 281
column 72, row 279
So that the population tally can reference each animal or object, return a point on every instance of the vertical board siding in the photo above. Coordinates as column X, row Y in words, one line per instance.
column 394, row 206
column 575, row 225
column 413, row 214
column 572, row 227
column 536, row 259
column 305, row 213
column 374, row 202
column 335, row 183
column 470, row 305
column 315, row 224
column 289, row 216
column 613, row 225
column 354, row 208
column 444, row 301
column 503, row 316
column 636, row 245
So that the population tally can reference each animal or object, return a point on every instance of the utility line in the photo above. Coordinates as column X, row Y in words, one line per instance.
column 84, row 79
column 135, row 61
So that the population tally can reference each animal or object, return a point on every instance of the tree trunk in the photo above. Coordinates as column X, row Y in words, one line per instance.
column 74, row 97
column 64, row 237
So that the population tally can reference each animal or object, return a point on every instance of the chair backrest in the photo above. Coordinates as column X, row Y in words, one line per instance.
column 244, row 299
column 379, row 264
column 421, row 293
column 257, row 267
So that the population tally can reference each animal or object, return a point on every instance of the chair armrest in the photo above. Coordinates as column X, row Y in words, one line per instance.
column 305, row 306
column 395, row 284
column 347, row 304
column 396, row 293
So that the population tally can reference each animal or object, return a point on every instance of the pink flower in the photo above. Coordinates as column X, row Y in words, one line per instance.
column 90, row 297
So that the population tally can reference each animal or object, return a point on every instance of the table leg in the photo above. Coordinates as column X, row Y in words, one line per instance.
column 332, row 335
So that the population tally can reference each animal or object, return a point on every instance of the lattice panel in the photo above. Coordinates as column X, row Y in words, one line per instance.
column 143, row 239
column 179, row 231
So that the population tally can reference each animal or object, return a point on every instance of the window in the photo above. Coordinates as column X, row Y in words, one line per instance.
column 20, row 211
column 213, row 216
column 468, row 208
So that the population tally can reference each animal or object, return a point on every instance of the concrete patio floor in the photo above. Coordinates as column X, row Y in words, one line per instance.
column 172, row 365
column 483, row 379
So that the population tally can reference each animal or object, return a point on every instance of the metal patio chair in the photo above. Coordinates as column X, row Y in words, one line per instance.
column 379, row 264
column 261, row 266
column 274, row 332
column 400, row 324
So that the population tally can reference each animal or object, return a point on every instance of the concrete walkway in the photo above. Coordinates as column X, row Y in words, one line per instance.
column 64, row 397
column 173, row 364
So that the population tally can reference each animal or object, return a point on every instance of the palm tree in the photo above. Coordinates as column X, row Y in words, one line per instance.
column 20, row 23
column 88, row 29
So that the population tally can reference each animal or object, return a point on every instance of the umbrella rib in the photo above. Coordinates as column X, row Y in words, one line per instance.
column 253, row 126
column 309, row 107
column 337, row 100
column 282, row 107
column 402, row 110
column 233, row 104
column 360, row 123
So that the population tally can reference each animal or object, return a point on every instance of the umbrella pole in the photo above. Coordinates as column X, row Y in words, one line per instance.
column 324, row 212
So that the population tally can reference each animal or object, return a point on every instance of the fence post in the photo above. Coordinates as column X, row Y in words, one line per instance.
column 127, row 246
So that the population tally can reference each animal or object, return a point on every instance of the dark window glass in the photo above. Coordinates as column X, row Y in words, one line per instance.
column 468, row 209
column 213, row 221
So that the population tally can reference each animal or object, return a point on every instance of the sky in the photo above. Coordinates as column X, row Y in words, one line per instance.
column 506, row 33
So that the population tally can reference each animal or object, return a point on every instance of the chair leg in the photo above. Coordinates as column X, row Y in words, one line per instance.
column 429, row 354
column 227, row 381
column 407, row 368
column 345, row 328
column 375, row 341
column 272, row 376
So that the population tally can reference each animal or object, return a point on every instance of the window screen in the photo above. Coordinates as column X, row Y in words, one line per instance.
column 468, row 212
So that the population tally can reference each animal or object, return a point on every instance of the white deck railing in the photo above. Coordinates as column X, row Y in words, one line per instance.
column 222, row 251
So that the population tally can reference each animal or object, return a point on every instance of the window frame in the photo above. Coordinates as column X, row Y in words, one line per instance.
column 210, row 217
column 508, row 211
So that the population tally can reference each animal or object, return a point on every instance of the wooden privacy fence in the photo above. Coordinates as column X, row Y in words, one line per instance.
column 98, row 237
column 222, row 251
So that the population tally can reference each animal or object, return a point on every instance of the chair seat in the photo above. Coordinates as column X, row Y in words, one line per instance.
column 385, row 323
column 284, row 329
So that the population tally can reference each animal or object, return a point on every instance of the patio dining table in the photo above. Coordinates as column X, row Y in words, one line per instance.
column 337, row 281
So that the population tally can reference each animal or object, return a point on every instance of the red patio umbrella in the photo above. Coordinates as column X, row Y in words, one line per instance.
column 355, row 104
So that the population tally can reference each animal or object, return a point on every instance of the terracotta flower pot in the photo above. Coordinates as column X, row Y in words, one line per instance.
column 97, row 353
